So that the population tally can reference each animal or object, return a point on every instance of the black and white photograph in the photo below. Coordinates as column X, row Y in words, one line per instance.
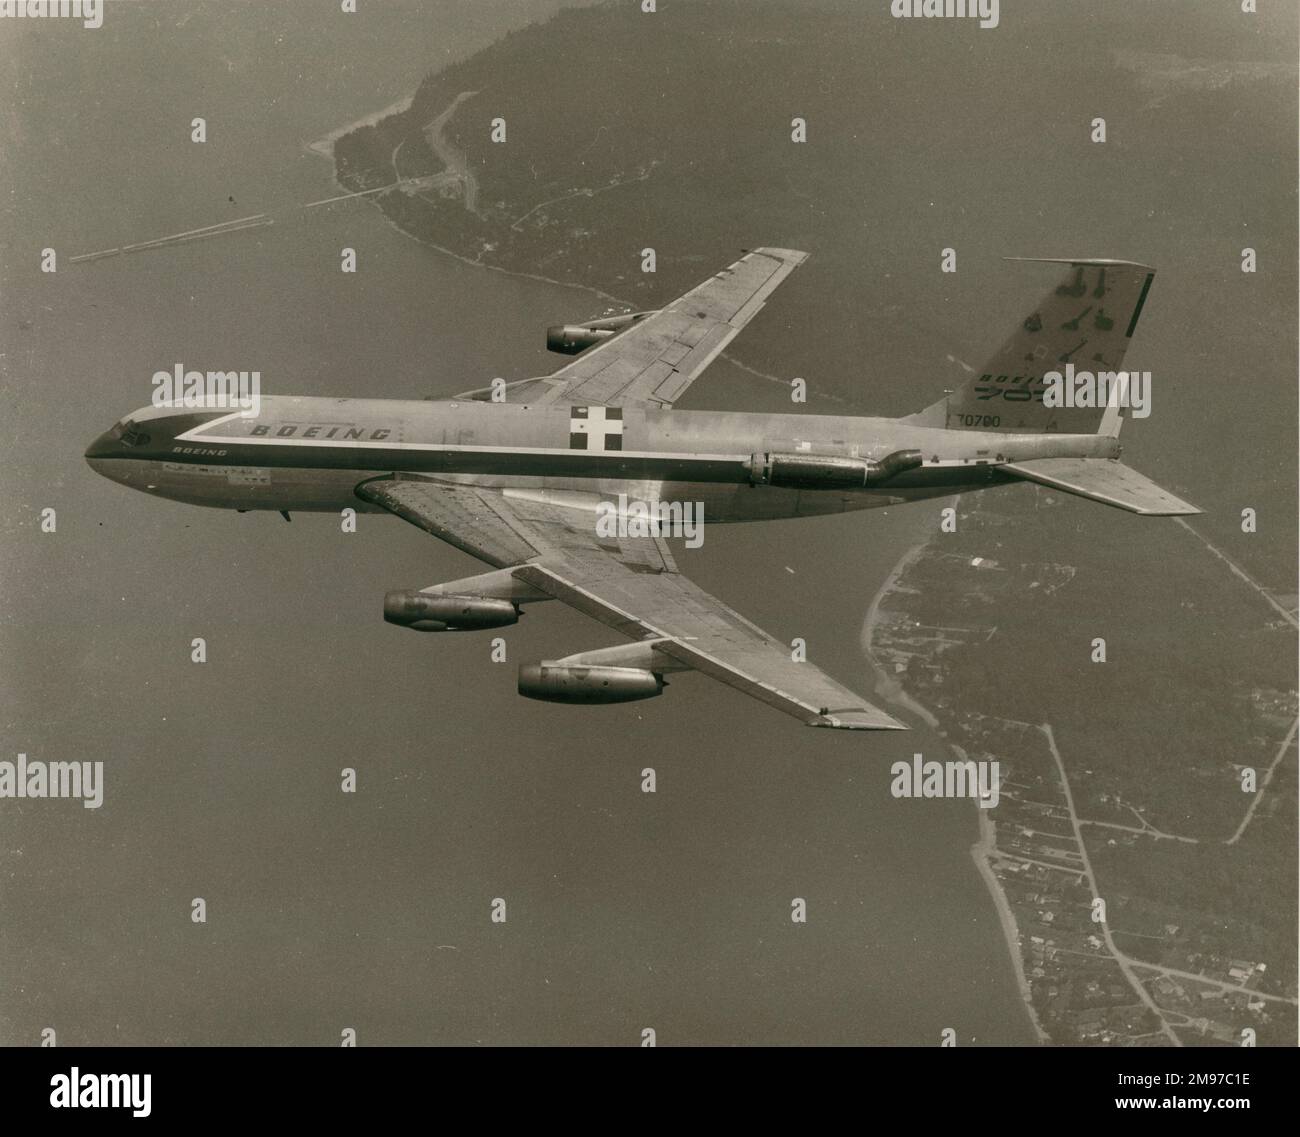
column 455, row 448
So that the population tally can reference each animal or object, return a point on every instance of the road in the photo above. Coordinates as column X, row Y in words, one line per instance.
column 457, row 165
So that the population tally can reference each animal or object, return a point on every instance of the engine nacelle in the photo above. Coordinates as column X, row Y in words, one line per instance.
column 429, row 612
column 569, row 683
column 826, row 471
column 570, row 339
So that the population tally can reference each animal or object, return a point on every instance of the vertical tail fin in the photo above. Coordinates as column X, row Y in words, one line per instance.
column 1087, row 320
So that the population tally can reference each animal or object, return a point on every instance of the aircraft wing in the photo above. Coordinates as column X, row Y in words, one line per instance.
column 654, row 361
column 631, row 584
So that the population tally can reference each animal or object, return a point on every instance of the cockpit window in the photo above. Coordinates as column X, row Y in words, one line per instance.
column 129, row 433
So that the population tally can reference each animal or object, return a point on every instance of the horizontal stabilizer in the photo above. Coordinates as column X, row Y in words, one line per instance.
column 1105, row 480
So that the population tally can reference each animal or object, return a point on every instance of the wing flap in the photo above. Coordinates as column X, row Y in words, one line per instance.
column 1105, row 480
column 460, row 516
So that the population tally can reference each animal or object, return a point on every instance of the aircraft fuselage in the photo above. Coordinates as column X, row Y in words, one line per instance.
column 310, row 454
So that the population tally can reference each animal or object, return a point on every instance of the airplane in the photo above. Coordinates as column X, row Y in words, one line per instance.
column 518, row 474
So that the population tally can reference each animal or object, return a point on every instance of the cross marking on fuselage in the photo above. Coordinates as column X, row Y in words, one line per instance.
column 597, row 429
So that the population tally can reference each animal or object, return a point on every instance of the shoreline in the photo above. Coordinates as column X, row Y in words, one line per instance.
column 324, row 146
column 981, row 853
column 891, row 690
column 887, row 687
column 498, row 268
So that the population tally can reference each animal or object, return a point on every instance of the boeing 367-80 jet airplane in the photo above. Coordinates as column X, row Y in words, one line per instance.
column 517, row 476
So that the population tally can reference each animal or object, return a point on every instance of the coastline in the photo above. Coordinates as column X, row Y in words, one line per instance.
column 324, row 146
column 981, row 853
column 887, row 687
column 891, row 690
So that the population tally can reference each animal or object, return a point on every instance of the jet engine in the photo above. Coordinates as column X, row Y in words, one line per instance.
column 570, row 339
column 827, row 472
column 569, row 683
column 425, row 612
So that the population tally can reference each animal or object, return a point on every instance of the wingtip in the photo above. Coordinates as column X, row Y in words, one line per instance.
column 790, row 256
column 857, row 720
column 1102, row 262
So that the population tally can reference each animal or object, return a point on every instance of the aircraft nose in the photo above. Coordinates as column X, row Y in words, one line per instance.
column 105, row 455
column 105, row 446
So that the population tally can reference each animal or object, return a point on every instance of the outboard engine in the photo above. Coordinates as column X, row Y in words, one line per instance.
column 559, row 682
column 570, row 339
column 431, row 612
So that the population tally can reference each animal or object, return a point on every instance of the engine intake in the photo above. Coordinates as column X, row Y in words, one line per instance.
column 565, row 683
column 429, row 612
column 827, row 472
